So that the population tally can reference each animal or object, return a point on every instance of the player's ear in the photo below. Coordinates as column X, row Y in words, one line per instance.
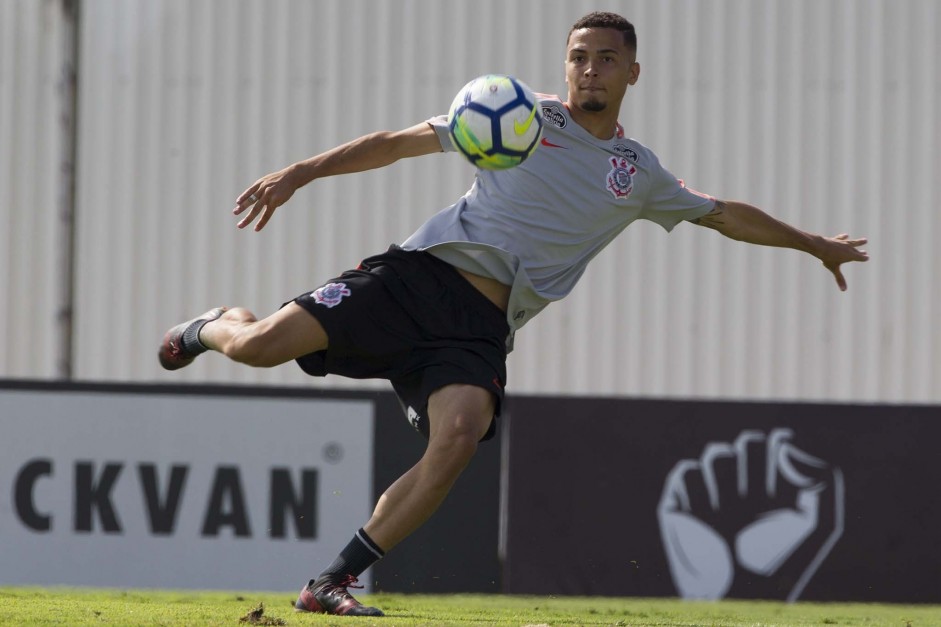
column 634, row 73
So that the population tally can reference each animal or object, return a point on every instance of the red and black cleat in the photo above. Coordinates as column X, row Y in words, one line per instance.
column 329, row 595
column 172, row 354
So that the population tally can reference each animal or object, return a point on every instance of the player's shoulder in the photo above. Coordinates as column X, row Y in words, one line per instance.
column 554, row 111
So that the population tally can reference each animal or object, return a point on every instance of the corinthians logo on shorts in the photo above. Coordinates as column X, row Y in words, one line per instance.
column 330, row 294
column 621, row 177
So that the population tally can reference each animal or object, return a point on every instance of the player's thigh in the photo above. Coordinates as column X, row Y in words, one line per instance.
column 287, row 334
column 460, row 410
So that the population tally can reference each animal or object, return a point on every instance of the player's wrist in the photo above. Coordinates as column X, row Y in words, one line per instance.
column 816, row 245
column 301, row 173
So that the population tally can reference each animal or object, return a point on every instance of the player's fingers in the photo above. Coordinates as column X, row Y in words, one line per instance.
column 247, row 198
column 269, row 211
column 838, row 275
column 844, row 238
column 251, row 215
column 251, row 189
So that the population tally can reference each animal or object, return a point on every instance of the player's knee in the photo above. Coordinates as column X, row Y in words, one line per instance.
column 464, row 446
column 457, row 440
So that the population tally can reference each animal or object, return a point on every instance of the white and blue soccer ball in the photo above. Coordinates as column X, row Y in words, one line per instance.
column 495, row 121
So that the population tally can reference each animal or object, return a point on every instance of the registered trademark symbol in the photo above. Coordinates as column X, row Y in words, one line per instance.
column 333, row 452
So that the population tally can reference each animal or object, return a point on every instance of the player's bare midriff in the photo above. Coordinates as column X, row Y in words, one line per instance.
column 496, row 292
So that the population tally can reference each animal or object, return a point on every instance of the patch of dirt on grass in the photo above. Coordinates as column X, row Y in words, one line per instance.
column 257, row 617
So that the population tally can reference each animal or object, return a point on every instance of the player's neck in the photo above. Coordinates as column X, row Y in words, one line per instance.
column 601, row 124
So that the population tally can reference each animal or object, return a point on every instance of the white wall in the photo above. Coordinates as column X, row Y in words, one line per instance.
column 30, row 33
column 825, row 113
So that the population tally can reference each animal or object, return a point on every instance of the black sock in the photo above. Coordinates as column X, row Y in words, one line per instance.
column 190, row 339
column 359, row 554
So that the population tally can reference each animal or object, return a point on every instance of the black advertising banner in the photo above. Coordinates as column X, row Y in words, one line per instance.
column 719, row 499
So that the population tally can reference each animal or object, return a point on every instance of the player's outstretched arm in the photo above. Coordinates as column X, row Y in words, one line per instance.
column 368, row 152
column 746, row 223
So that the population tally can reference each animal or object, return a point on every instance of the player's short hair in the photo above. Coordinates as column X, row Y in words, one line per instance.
column 603, row 19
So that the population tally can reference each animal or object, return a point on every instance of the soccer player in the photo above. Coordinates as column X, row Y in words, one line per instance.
column 436, row 316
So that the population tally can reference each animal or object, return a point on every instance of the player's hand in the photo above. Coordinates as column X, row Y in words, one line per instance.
column 264, row 196
column 753, row 518
column 835, row 251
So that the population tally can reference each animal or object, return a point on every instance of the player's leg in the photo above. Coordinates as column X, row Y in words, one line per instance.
column 285, row 335
column 459, row 416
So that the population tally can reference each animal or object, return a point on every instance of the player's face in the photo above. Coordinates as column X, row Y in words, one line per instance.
column 598, row 68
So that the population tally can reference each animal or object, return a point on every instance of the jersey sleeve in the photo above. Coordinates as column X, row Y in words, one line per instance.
column 440, row 124
column 670, row 201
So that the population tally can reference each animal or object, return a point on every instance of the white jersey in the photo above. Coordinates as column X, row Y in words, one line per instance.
column 536, row 226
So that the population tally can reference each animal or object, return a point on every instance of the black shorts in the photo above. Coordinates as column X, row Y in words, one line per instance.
column 409, row 317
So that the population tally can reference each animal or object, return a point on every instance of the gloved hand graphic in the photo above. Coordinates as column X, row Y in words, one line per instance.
column 754, row 518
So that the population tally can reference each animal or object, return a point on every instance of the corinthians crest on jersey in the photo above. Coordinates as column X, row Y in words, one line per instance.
column 620, row 180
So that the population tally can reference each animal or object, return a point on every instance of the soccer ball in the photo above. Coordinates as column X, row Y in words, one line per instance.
column 495, row 121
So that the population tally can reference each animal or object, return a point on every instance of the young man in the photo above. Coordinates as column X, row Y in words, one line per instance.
column 436, row 316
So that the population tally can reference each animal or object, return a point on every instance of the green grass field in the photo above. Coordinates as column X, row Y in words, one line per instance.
column 70, row 606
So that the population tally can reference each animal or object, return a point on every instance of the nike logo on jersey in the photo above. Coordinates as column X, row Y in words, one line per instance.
column 522, row 128
column 546, row 142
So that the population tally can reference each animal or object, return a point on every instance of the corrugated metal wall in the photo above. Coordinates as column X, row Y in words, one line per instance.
column 825, row 113
column 30, row 34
